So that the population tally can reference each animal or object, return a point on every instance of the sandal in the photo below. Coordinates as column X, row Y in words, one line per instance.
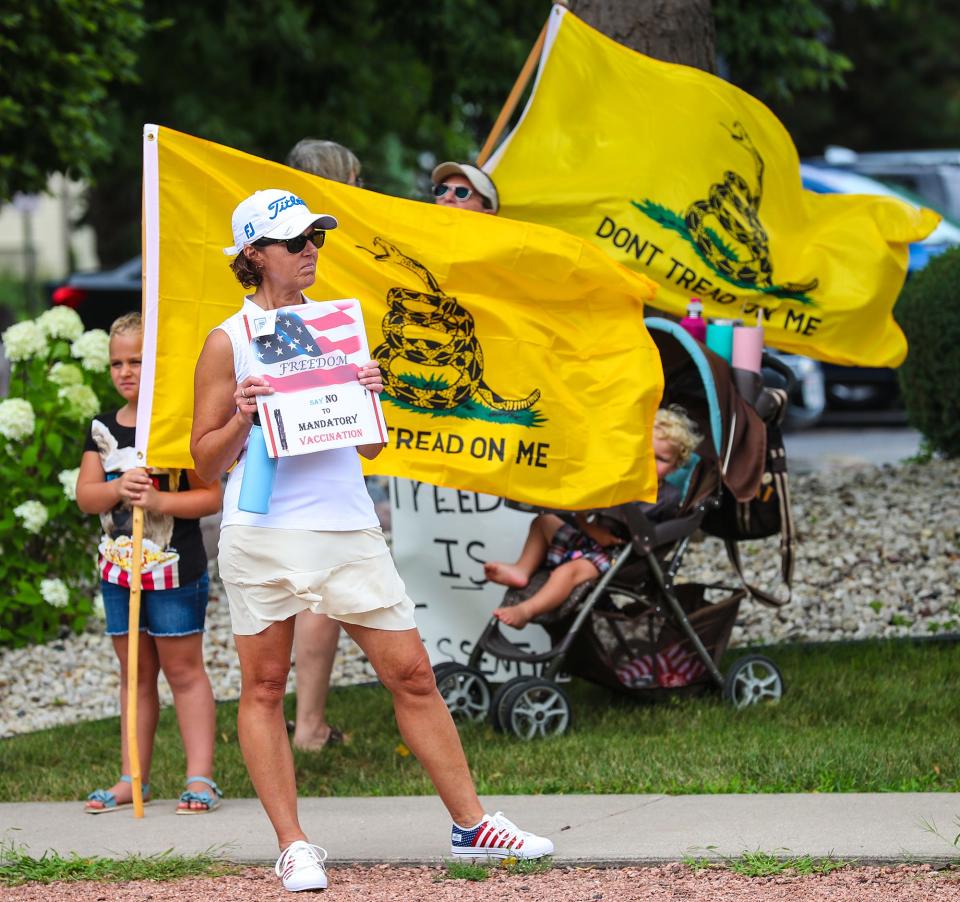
column 211, row 801
column 334, row 737
column 109, row 801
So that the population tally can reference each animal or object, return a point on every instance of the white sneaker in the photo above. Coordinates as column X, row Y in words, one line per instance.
column 300, row 867
column 495, row 837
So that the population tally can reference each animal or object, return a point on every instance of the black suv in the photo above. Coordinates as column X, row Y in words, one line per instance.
column 100, row 297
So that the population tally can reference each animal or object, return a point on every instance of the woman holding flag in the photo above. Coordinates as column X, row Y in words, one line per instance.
column 318, row 548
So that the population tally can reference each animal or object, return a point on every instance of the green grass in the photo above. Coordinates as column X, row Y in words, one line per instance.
column 472, row 870
column 766, row 864
column 950, row 838
column 17, row 867
column 849, row 722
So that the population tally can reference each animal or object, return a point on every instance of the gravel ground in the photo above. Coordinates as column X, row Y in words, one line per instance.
column 661, row 884
column 878, row 555
column 77, row 678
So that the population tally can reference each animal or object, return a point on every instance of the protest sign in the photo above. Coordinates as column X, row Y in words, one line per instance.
column 310, row 355
column 441, row 540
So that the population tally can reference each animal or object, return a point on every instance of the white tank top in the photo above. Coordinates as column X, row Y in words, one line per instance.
column 323, row 490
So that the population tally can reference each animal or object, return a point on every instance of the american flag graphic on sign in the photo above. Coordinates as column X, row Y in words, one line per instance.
column 309, row 353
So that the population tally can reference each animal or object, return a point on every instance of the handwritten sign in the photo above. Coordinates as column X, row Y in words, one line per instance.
column 310, row 354
column 441, row 540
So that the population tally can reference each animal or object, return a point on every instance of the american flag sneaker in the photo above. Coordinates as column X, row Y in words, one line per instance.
column 496, row 837
column 300, row 867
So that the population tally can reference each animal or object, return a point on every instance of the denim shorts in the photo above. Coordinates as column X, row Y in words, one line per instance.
column 163, row 612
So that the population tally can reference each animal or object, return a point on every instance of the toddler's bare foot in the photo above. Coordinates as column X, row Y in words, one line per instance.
column 516, row 616
column 505, row 574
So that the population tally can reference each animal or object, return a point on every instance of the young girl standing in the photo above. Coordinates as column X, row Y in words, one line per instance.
column 173, row 582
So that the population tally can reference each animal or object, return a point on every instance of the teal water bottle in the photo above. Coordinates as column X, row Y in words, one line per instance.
column 259, row 471
column 720, row 338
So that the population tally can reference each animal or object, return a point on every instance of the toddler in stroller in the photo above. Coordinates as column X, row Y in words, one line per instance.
column 633, row 628
column 577, row 554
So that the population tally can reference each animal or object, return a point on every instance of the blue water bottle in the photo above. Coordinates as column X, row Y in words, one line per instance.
column 259, row 470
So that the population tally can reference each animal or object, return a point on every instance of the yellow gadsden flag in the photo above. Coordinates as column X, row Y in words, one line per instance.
column 515, row 356
column 687, row 179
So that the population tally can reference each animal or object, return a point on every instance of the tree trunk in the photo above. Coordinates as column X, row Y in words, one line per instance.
column 675, row 31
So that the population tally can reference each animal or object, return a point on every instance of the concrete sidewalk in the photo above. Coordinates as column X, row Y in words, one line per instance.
column 876, row 828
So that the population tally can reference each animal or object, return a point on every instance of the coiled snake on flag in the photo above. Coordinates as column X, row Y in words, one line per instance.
column 734, row 206
column 461, row 351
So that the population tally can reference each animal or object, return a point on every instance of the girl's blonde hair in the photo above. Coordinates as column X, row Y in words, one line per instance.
column 126, row 324
column 674, row 425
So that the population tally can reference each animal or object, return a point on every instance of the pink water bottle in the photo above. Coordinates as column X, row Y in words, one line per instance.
column 694, row 322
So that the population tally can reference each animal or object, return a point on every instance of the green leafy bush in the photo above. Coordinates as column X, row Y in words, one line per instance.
column 59, row 380
column 928, row 311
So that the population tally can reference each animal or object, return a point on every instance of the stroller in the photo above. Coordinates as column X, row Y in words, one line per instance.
column 633, row 629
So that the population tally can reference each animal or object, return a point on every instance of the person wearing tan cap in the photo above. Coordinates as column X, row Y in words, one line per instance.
column 465, row 187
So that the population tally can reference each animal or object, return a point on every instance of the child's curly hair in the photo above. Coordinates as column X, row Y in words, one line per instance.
column 675, row 426
column 126, row 324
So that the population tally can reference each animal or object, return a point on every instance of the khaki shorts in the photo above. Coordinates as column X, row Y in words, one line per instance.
column 270, row 575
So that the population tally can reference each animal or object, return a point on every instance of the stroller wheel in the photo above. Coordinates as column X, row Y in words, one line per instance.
column 535, row 707
column 753, row 680
column 497, row 707
column 465, row 692
column 443, row 667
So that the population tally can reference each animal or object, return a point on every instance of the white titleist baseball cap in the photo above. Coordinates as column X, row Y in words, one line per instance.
column 482, row 183
column 273, row 213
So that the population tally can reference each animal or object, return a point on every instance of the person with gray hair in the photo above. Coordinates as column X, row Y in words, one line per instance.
column 327, row 159
column 317, row 636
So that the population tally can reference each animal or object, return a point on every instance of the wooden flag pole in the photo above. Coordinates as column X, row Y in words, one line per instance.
column 133, row 655
column 523, row 79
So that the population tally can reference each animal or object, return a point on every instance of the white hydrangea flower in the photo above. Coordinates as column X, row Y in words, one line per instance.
column 98, row 609
column 23, row 341
column 17, row 420
column 68, row 479
column 92, row 349
column 34, row 515
column 55, row 592
column 82, row 401
column 61, row 322
column 65, row 374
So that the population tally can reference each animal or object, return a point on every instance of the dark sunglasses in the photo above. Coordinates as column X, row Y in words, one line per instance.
column 296, row 244
column 460, row 192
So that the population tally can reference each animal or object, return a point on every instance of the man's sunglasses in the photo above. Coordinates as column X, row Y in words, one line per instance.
column 297, row 243
column 460, row 192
